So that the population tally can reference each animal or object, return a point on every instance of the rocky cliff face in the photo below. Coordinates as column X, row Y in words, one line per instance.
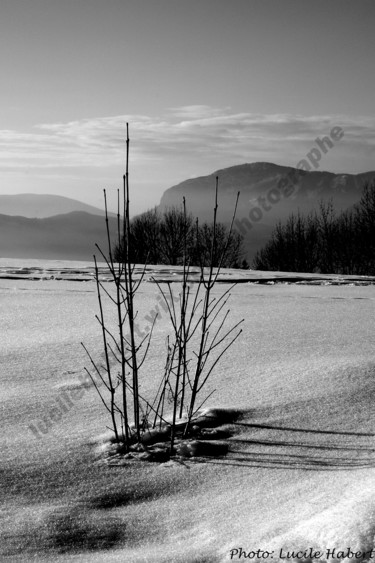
column 268, row 193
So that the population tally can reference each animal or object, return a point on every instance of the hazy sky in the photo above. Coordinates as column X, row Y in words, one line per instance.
column 204, row 84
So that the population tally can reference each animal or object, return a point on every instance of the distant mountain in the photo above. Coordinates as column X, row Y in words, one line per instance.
column 55, row 227
column 70, row 236
column 40, row 206
column 257, row 217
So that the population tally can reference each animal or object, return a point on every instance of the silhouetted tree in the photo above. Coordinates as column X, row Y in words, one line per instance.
column 175, row 228
column 365, row 227
column 324, row 242
column 293, row 247
column 327, row 226
column 347, row 243
column 144, row 244
column 163, row 238
column 228, row 248
column 146, row 237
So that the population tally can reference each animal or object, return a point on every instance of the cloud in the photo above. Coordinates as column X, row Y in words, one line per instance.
column 189, row 138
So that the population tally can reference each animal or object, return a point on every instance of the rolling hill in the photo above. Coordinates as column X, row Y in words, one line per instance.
column 55, row 227
column 43, row 205
column 71, row 236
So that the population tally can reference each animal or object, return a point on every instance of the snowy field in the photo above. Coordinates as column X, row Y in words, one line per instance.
column 299, row 475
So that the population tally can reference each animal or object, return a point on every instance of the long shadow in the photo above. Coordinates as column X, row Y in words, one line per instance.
column 267, row 464
column 308, row 430
column 303, row 445
column 239, row 458
column 311, row 459
column 286, row 459
column 302, row 461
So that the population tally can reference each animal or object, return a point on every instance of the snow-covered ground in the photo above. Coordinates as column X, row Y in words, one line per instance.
column 300, row 471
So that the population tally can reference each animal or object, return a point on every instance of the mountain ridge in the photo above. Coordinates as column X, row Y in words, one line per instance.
column 262, row 203
column 69, row 236
column 39, row 206
column 73, row 234
column 252, row 176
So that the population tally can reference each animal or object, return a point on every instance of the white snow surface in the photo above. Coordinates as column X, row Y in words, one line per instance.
column 300, row 471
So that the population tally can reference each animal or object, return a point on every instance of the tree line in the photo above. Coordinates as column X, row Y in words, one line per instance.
column 162, row 238
column 324, row 241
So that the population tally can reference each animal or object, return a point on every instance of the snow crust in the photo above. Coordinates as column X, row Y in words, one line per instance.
column 300, row 468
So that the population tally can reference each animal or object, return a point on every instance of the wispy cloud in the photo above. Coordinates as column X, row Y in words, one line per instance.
column 189, row 137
